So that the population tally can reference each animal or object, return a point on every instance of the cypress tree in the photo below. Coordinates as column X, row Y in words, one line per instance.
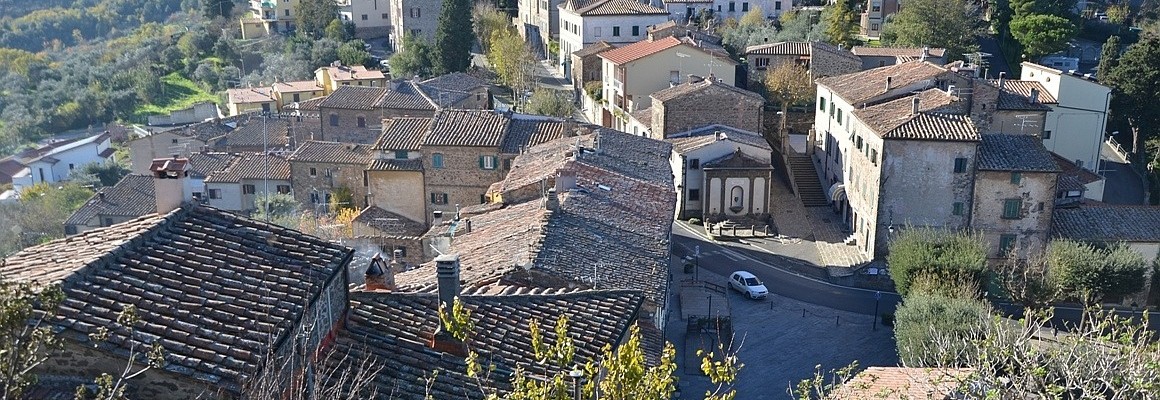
column 454, row 37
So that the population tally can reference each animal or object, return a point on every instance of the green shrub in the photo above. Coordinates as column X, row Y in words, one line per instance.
column 1091, row 273
column 595, row 90
column 944, row 255
column 934, row 328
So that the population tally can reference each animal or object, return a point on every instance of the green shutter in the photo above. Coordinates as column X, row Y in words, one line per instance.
column 481, row 162
column 444, row 198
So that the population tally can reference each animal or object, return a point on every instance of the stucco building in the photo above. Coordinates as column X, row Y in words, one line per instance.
column 711, row 163
column 417, row 18
column 1015, row 185
column 874, row 15
column 618, row 22
column 247, row 178
column 371, row 18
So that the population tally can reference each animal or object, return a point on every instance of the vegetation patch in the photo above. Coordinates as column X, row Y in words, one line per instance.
column 177, row 92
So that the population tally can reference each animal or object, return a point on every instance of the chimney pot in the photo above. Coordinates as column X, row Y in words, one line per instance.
column 467, row 226
column 101, row 194
column 379, row 275
column 169, row 183
column 889, row 80
column 914, row 105
column 1002, row 77
column 1034, row 96
column 436, row 217
column 447, row 271
column 925, row 52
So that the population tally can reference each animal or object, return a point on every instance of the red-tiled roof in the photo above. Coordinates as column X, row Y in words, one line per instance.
column 639, row 50
column 250, row 95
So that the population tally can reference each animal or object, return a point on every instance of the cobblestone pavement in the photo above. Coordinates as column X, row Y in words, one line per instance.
column 782, row 340
column 829, row 238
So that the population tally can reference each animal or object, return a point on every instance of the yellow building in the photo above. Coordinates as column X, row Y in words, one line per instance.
column 268, row 16
column 330, row 78
column 286, row 93
column 241, row 100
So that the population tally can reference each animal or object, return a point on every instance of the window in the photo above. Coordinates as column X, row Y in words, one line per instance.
column 1047, row 134
column 874, row 157
column 1006, row 244
column 822, row 104
column 402, row 251
column 265, row 107
column 831, row 108
column 333, row 119
column 507, row 163
column 874, row 27
column 284, row 189
column 296, row 97
column 438, row 198
column 385, row 16
column 745, row 7
column 70, row 229
column 416, row 32
column 777, row 5
column 635, row 30
column 483, row 199
column 858, row 142
column 1079, row 163
column 596, row 31
column 437, row 160
column 416, row 12
column 174, row 141
column 314, row 197
column 400, row 154
column 840, row 120
column 247, row 189
column 674, row 77
column 616, row 31
column 215, row 193
column 694, row 194
column 876, row 7
column 960, row 165
column 286, row 12
column 313, row 171
column 732, row 6
column 1016, row 177
column 197, row 196
column 362, row 121
column 958, row 208
column 695, row 163
column 762, row 62
column 70, row 167
column 1012, row 208
column 488, row 162
column 718, row 8
column 364, row 17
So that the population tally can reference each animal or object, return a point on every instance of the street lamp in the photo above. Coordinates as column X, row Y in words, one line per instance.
column 576, row 374
column 697, row 266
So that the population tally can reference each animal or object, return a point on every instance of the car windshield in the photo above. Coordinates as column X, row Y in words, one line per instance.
column 752, row 282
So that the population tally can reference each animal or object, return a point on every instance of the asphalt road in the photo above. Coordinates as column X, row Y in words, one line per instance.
column 723, row 259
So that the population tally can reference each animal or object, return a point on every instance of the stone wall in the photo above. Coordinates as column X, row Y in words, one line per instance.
column 1033, row 227
column 400, row 192
column 705, row 107
column 327, row 177
column 372, row 32
column 367, row 236
column 460, row 178
column 346, row 128
column 825, row 63
column 922, row 187
column 87, row 362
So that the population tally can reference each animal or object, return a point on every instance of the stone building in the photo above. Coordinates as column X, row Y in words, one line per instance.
column 229, row 299
column 395, row 177
column 586, row 64
column 874, row 57
column 319, row 170
column 332, row 77
column 693, row 153
column 394, row 234
column 700, row 102
column 737, row 188
column 820, row 58
column 238, row 186
column 355, row 114
column 874, row 15
column 417, row 18
column 1015, row 185
column 371, row 18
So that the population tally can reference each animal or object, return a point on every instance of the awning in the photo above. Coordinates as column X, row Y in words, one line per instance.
column 837, row 192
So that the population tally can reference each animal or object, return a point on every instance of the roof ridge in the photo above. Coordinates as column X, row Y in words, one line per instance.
column 135, row 241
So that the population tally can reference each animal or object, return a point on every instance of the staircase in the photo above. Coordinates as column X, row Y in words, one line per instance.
column 805, row 177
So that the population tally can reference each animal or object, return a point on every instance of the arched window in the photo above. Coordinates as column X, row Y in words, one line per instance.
column 737, row 199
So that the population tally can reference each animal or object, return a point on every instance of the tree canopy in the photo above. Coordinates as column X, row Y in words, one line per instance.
column 841, row 23
column 929, row 252
column 416, row 59
column 311, row 17
column 1042, row 34
column 1133, row 81
column 951, row 24
column 454, row 37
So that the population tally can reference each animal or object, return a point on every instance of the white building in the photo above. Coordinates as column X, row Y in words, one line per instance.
column 1075, row 126
column 238, row 186
column 371, row 18
column 693, row 148
column 55, row 162
column 618, row 22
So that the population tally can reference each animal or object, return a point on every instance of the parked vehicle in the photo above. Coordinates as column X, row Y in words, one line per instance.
column 748, row 285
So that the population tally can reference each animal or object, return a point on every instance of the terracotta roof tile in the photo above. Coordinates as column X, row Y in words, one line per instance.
column 594, row 49
column 333, row 152
column 780, row 49
column 449, row 89
column 469, row 128
column 937, row 118
column 704, row 85
column 684, row 142
column 1023, row 89
column 915, row 52
column 396, row 165
column 860, row 87
column 133, row 196
column 389, row 223
column 899, row 383
column 204, row 164
column 404, row 133
column 213, row 288
column 615, row 7
column 999, row 152
column 350, row 73
column 525, row 131
column 250, row 95
column 297, row 86
column 406, row 95
column 354, row 98
column 1107, row 223
column 253, row 166
column 639, row 50
column 393, row 330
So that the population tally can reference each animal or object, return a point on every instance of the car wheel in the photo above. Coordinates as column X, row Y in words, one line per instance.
column 751, row 296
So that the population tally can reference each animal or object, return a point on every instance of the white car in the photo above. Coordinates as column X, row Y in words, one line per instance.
column 747, row 284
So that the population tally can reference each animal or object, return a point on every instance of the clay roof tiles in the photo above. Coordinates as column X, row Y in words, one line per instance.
column 999, row 152
column 214, row 289
column 354, row 98
column 253, row 166
column 204, row 164
column 333, row 152
column 525, row 131
column 897, row 383
column 393, row 331
column 396, row 165
column 469, row 128
column 860, row 87
column 914, row 52
column 937, row 118
column 704, row 85
column 389, row 223
column 612, row 7
column 594, row 49
column 1107, row 223
column 639, row 50
column 404, row 133
column 250, row 95
column 133, row 196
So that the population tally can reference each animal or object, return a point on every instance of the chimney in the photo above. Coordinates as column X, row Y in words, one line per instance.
column 552, row 202
column 1002, row 76
column 694, row 78
column 1034, row 96
column 101, row 194
column 889, row 80
column 379, row 275
column 925, row 53
column 570, row 126
column 467, row 225
column 914, row 105
column 447, row 270
column 169, row 182
column 436, row 218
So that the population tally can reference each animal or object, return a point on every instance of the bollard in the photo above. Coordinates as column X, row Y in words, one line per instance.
column 803, row 313
column 838, row 320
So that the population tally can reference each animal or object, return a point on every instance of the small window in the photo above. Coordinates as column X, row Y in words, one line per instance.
column 362, row 121
column 695, row 163
column 314, row 197
column 215, row 193
column 960, row 165
column 284, row 189
column 1016, row 177
column 487, row 162
column 400, row 154
column 744, row 7
column 297, row 97
column 958, row 208
column 364, row 17
column 762, row 62
column 437, row 160
column 635, row 30
column 287, row 12
column 874, row 157
column 385, row 16
column 615, row 31
column 1006, row 244
column 831, row 108
column 247, row 189
column 1047, row 134
column 70, row 229
column 694, row 194
column 822, row 104
column 401, row 249
column 438, row 198
column 840, row 119
column 174, row 141
column 70, row 167
column 313, row 171
column 732, row 6
column 333, row 119
column 777, row 5
column 507, row 164
column 483, row 199
column 1012, row 208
